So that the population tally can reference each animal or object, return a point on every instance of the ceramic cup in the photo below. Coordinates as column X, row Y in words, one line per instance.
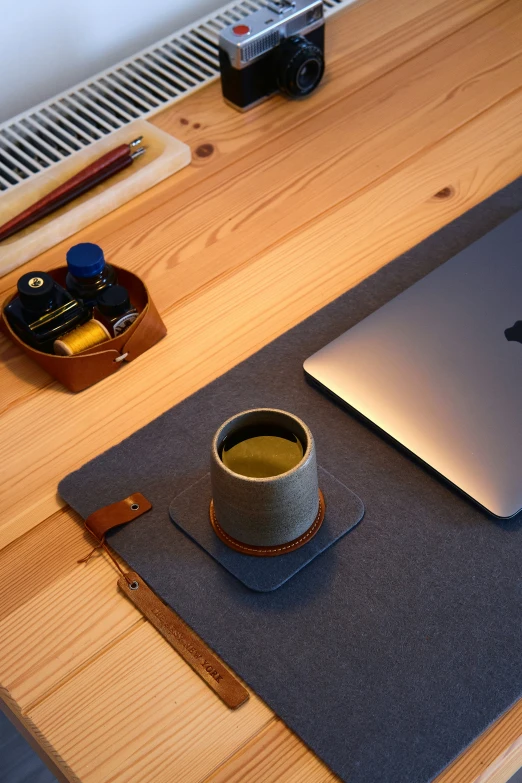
column 273, row 514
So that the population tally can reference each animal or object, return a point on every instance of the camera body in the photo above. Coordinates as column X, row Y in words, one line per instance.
column 278, row 48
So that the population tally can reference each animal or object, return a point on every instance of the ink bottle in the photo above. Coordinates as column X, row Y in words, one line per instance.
column 43, row 311
column 88, row 274
column 114, row 310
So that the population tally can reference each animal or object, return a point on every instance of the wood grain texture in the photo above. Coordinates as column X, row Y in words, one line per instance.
column 381, row 34
column 508, row 764
column 283, row 209
column 165, row 729
column 36, row 740
column 303, row 190
column 69, row 620
column 277, row 754
column 32, row 563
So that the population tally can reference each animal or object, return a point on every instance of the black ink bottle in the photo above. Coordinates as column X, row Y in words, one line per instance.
column 43, row 311
column 114, row 310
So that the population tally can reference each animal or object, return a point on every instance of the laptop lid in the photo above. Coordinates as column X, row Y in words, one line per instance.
column 439, row 368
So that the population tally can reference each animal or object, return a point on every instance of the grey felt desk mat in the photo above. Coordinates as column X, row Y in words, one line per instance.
column 395, row 648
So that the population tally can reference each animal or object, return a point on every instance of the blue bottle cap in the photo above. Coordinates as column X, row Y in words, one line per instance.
column 85, row 260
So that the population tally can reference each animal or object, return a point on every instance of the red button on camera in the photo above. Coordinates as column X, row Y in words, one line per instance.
column 241, row 29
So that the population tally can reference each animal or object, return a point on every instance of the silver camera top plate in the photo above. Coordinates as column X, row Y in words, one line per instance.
column 256, row 34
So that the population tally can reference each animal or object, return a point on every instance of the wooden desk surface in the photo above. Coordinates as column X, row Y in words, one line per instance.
column 283, row 209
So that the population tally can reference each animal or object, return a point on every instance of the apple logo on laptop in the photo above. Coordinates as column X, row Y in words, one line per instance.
column 514, row 333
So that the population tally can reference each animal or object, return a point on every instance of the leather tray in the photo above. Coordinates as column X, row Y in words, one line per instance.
column 94, row 364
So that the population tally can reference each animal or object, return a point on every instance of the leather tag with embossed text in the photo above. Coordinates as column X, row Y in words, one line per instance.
column 176, row 632
column 191, row 648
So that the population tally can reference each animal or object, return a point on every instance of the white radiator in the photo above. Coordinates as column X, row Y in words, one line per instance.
column 137, row 87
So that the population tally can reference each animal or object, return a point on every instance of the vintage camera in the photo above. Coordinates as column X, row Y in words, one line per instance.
column 280, row 47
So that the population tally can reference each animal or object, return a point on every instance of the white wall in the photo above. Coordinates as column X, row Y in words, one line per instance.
column 49, row 45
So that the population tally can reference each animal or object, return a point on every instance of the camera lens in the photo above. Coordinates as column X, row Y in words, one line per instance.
column 300, row 67
column 308, row 75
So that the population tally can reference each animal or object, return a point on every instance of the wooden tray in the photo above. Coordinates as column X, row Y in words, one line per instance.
column 165, row 155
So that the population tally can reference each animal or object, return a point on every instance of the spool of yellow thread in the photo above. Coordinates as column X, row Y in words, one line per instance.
column 86, row 336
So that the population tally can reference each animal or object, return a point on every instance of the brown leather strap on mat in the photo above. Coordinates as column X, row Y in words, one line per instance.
column 116, row 514
column 177, row 633
column 191, row 648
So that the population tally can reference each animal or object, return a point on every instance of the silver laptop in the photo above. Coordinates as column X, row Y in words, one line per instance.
column 439, row 368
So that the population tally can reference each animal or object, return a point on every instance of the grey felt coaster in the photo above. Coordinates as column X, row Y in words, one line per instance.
column 398, row 646
column 190, row 511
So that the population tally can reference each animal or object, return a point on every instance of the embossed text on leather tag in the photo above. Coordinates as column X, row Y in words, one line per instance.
column 191, row 648
column 179, row 635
